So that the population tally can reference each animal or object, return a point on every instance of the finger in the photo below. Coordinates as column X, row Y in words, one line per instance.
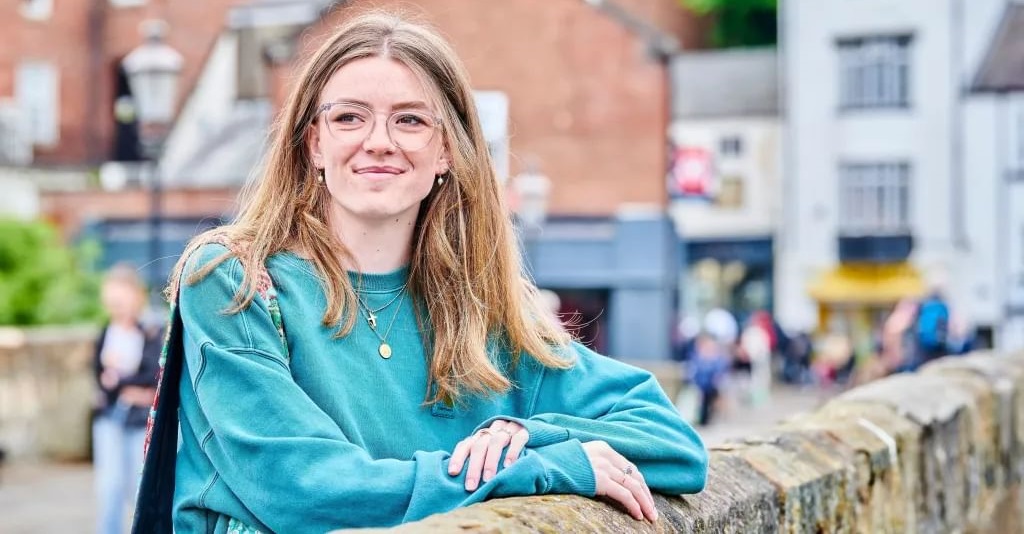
column 642, row 496
column 477, row 452
column 650, row 496
column 622, row 495
column 459, row 456
column 516, row 445
column 499, row 438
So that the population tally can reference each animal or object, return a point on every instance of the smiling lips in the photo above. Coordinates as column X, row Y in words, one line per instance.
column 379, row 171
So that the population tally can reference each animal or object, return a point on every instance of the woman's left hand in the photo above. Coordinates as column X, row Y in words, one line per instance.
column 483, row 450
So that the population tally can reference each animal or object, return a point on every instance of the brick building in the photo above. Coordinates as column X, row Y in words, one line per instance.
column 59, row 69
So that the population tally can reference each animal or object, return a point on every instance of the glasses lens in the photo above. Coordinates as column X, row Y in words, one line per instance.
column 348, row 123
column 411, row 130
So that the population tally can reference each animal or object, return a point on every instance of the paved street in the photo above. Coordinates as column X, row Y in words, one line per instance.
column 51, row 498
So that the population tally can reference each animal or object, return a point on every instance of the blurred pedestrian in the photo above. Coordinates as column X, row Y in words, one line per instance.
column 708, row 369
column 756, row 345
column 932, row 328
column 126, row 363
column 370, row 303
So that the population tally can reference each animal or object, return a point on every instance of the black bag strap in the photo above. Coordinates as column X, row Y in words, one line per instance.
column 155, row 499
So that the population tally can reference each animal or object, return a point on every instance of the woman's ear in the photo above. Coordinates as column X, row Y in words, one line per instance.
column 443, row 164
column 313, row 146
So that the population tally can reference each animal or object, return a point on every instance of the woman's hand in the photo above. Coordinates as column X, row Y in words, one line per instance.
column 137, row 396
column 620, row 481
column 483, row 449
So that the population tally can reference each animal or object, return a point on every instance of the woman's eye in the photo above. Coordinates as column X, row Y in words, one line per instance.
column 411, row 120
column 348, row 118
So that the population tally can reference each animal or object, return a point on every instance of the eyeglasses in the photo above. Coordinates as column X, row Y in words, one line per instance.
column 353, row 123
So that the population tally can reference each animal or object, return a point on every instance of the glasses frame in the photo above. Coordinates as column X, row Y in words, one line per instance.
column 438, row 123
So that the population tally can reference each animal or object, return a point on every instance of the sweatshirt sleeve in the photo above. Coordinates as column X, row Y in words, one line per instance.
column 600, row 398
column 284, row 458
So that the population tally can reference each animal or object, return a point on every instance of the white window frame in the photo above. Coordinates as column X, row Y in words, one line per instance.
column 493, row 108
column 39, row 103
column 36, row 9
column 874, row 72
column 875, row 198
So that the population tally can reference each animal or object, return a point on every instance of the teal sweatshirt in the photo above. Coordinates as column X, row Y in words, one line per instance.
column 329, row 435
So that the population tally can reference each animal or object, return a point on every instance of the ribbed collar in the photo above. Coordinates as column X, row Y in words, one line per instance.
column 379, row 282
column 362, row 282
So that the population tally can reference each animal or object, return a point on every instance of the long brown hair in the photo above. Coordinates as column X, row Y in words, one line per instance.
column 465, row 266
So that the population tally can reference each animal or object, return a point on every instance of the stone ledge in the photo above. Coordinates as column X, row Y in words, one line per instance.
column 941, row 450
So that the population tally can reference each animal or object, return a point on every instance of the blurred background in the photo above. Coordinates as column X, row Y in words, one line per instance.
column 762, row 201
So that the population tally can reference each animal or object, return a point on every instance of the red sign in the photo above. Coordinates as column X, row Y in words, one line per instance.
column 692, row 173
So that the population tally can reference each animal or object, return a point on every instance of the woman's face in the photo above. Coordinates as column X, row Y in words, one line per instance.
column 371, row 178
column 123, row 301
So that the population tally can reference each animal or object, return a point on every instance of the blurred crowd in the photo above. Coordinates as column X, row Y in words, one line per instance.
column 731, row 362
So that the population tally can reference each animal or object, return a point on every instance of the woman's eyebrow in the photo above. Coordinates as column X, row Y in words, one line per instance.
column 412, row 104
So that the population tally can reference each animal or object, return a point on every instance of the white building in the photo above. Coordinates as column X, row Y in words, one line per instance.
column 894, row 166
column 726, row 182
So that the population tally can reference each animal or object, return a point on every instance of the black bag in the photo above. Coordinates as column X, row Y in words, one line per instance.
column 155, row 498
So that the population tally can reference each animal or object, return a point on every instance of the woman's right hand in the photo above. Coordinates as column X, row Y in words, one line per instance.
column 619, row 480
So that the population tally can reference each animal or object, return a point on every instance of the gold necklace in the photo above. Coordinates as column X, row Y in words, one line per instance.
column 371, row 315
column 384, row 349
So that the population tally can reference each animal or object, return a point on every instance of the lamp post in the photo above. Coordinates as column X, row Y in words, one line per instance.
column 153, row 70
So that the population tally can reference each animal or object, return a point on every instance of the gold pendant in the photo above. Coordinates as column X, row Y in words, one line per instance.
column 385, row 350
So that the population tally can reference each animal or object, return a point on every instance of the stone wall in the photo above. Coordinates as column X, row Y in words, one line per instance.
column 46, row 391
column 937, row 451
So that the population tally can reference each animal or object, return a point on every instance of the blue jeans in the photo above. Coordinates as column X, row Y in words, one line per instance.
column 117, row 462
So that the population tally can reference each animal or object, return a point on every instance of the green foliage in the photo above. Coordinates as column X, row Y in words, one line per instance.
column 739, row 22
column 43, row 281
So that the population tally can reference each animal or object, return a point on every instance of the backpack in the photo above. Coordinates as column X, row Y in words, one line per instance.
column 932, row 324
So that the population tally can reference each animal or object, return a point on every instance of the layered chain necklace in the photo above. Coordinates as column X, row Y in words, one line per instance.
column 371, row 319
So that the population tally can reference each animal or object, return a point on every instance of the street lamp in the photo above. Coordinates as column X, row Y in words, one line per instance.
column 153, row 70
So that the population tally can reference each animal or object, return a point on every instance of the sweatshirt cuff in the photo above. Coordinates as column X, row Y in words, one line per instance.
column 541, row 434
column 567, row 469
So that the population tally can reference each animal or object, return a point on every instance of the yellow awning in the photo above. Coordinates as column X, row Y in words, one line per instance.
column 868, row 284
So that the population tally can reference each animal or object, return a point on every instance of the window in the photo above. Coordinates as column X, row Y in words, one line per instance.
column 37, row 96
column 493, row 109
column 1016, row 155
column 730, row 146
column 874, row 72
column 874, row 198
column 37, row 9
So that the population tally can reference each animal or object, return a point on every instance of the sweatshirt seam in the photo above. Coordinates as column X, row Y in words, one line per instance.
column 206, row 490
column 238, row 351
column 235, row 265
column 532, row 408
column 206, row 440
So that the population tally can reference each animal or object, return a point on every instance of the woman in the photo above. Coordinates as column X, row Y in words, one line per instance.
column 391, row 352
column 126, row 363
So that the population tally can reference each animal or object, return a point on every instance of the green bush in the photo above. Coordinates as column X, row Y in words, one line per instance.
column 43, row 281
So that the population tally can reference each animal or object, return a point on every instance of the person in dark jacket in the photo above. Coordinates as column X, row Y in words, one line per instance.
column 126, row 364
